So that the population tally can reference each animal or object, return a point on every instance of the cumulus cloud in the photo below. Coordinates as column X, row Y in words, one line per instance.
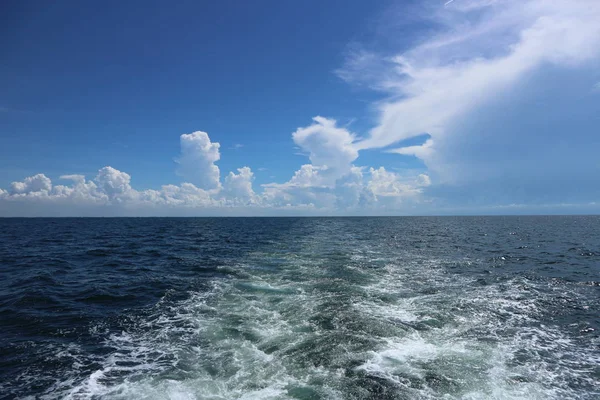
column 114, row 183
column 306, row 187
column 197, row 160
column 238, row 187
column 331, row 184
column 186, row 195
column 332, row 181
column 307, row 176
column 356, row 191
column 389, row 184
column 329, row 147
column 351, row 192
column 110, row 187
column 81, row 191
column 39, row 183
column 36, row 192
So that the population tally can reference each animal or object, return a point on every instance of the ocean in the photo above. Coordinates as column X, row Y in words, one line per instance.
column 300, row 308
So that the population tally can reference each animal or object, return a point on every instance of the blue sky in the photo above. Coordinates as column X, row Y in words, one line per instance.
column 300, row 108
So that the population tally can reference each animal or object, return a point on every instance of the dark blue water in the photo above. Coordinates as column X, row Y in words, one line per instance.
column 300, row 308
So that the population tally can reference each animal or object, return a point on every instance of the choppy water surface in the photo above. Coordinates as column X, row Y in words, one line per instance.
column 300, row 308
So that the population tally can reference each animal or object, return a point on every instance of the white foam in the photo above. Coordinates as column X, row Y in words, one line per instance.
column 239, row 340
column 192, row 339
column 489, row 311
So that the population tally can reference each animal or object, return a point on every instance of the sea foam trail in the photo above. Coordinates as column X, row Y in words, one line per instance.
column 347, row 317
column 477, row 341
column 410, row 331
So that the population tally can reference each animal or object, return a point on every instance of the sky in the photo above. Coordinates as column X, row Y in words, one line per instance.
column 238, row 108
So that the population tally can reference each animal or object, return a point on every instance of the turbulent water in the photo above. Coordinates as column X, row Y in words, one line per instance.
column 300, row 308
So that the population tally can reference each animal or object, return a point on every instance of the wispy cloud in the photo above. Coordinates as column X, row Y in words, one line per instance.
column 483, row 48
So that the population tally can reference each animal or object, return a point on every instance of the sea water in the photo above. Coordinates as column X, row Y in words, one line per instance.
column 300, row 308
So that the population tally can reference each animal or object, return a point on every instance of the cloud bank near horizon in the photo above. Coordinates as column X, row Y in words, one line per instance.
column 330, row 184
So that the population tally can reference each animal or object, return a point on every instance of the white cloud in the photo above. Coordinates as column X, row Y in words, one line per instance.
column 422, row 151
column 331, row 182
column 366, row 68
column 197, row 160
column 351, row 192
column 238, row 187
column 114, row 183
column 111, row 187
column 111, row 190
column 39, row 183
column 186, row 195
column 378, row 189
column 476, row 56
column 329, row 147
column 75, row 178
column 82, row 191
column 423, row 180
column 308, row 176
column 38, row 190
column 389, row 184
column 306, row 187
